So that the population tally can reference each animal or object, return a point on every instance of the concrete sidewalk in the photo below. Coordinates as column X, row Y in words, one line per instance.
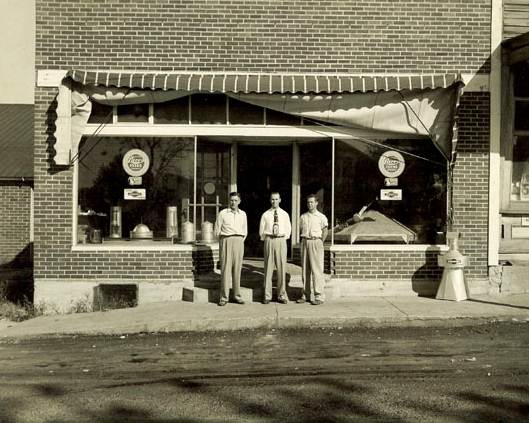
column 360, row 311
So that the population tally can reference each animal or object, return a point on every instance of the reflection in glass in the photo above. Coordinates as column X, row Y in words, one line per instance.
column 174, row 111
column 520, row 169
column 277, row 118
column 242, row 113
column 100, row 113
column 521, row 79
column 213, row 179
column 521, row 115
column 133, row 113
column 102, row 181
column 358, row 182
column 315, row 175
column 208, row 109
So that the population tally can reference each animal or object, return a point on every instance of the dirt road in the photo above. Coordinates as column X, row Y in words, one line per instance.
column 460, row 374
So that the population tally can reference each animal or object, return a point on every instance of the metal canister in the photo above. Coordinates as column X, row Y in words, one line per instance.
column 115, row 222
column 207, row 232
column 171, row 222
column 188, row 232
column 95, row 236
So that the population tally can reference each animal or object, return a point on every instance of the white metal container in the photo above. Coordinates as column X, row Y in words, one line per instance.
column 171, row 222
column 207, row 232
column 188, row 232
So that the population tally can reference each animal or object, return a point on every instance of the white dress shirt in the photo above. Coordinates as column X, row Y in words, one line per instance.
column 231, row 222
column 267, row 223
column 312, row 224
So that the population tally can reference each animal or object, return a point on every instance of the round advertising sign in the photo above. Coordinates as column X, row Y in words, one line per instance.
column 136, row 162
column 391, row 164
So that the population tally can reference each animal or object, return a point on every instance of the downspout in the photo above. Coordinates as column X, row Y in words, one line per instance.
column 496, row 33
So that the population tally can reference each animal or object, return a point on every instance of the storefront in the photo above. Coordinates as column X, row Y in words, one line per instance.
column 155, row 156
column 361, row 108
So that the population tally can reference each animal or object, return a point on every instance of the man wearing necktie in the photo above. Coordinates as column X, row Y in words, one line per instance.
column 313, row 228
column 274, row 230
column 231, row 229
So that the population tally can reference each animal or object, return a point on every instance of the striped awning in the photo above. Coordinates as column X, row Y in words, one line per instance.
column 262, row 83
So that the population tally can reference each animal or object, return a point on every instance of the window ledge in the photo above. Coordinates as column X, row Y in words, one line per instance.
column 388, row 247
column 147, row 245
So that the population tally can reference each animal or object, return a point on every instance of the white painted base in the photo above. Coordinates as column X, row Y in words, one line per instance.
column 70, row 296
column 452, row 286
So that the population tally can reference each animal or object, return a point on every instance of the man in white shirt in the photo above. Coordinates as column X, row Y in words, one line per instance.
column 274, row 230
column 231, row 229
column 313, row 228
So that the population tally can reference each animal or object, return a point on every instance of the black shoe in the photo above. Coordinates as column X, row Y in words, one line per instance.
column 282, row 301
column 222, row 303
column 266, row 301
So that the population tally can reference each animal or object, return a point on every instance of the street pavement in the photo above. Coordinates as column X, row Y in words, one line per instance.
column 350, row 312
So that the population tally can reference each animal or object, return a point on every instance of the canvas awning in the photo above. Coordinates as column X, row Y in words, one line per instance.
column 261, row 83
column 417, row 104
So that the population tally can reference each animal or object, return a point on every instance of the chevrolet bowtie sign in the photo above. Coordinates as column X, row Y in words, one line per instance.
column 391, row 194
column 135, row 194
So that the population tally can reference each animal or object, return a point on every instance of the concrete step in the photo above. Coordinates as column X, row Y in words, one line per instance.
column 207, row 288
column 202, row 295
column 514, row 278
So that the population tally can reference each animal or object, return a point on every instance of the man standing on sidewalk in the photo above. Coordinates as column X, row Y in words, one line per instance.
column 313, row 228
column 231, row 229
column 274, row 230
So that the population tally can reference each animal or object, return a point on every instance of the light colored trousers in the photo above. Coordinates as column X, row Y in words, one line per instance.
column 231, row 254
column 275, row 256
column 312, row 269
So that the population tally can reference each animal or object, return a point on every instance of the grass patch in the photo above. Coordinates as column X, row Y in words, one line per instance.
column 16, row 292
column 17, row 312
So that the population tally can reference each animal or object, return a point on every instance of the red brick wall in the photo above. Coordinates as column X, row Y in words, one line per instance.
column 265, row 35
column 15, row 206
column 471, row 181
column 470, row 210
column 404, row 265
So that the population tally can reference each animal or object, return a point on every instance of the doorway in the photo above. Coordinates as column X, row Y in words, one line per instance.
column 260, row 171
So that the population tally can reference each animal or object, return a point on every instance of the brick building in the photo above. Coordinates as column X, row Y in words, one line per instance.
column 16, row 185
column 294, row 96
column 16, row 201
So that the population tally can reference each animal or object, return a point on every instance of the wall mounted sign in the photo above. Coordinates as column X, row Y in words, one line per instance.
column 136, row 162
column 209, row 188
column 134, row 180
column 134, row 194
column 389, row 182
column 391, row 164
column 391, row 194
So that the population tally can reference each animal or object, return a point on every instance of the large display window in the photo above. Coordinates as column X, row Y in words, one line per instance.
column 372, row 208
column 161, row 203
column 187, row 179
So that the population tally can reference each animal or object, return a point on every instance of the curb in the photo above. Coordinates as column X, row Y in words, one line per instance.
column 220, row 325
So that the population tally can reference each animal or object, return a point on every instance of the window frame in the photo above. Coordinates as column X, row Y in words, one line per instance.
column 509, row 134
column 294, row 134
